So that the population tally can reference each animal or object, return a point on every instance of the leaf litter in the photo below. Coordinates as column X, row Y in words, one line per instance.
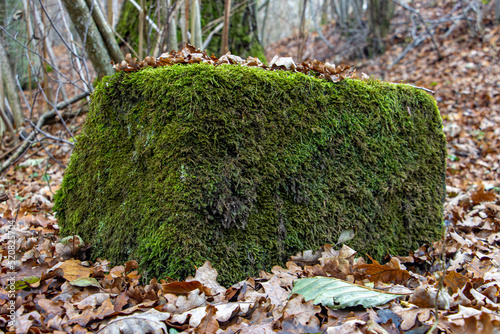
column 59, row 290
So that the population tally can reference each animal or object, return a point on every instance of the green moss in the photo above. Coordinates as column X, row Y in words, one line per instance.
column 244, row 167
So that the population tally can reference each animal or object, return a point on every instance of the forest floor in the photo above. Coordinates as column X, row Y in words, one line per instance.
column 452, row 286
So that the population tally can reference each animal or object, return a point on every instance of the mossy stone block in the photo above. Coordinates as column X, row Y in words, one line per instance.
column 245, row 167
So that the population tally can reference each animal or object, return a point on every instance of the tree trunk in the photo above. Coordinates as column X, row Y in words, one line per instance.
column 196, row 36
column 380, row 13
column 225, row 32
column 303, row 8
column 497, row 11
column 184, row 21
column 9, row 85
column 172, row 31
column 94, row 44
column 106, row 31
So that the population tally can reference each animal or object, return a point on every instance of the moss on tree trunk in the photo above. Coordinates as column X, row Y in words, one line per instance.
column 245, row 167
column 243, row 35
column 128, row 27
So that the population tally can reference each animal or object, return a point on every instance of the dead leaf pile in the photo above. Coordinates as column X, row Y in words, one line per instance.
column 58, row 293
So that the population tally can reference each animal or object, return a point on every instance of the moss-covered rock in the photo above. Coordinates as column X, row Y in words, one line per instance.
column 244, row 167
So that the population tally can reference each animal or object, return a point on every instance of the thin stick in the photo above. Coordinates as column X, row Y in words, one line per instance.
column 8, row 124
column 422, row 88
column 141, row 30
column 151, row 22
column 225, row 32
column 301, row 32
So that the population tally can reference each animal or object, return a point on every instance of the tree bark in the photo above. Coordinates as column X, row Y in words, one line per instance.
column 196, row 38
column 170, row 17
column 380, row 13
column 184, row 21
column 497, row 11
column 225, row 32
column 172, row 30
column 300, row 51
column 106, row 31
column 9, row 86
column 87, row 29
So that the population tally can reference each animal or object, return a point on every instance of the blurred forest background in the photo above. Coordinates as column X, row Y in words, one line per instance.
column 52, row 51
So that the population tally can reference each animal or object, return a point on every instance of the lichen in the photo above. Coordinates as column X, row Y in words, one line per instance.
column 245, row 167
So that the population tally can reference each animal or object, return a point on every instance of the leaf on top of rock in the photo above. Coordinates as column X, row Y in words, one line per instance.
column 190, row 55
column 346, row 235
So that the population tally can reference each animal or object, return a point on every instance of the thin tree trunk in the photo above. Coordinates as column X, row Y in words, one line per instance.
column 6, row 122
column 94, row 44
column 172, row 29
column 324, row 11
column 81, row 67
column 184, row 21
column 39, row 23
column 263, row 34
column 301, row 31
column 10, row 87
column 169, row 40
column 110, row 13
column 196, row 38
column 244, row 39
column 29, row 30
column 141, row 29
column 106, row 31
column 497, row 11
column 380, row 14
column 225, row 32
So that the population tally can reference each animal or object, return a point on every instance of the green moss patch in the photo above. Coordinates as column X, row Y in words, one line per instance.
column 245, row 167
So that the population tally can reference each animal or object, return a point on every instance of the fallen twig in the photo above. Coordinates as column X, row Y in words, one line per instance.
column 416, row 12
column 422, row 88
column 410, row 47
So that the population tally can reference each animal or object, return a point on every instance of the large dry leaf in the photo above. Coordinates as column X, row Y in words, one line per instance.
column 454, row 281
column 225, row 312
column 338, row 294
column 138, row 323
column 376, row 272
column 209, row 323
column 178, row 288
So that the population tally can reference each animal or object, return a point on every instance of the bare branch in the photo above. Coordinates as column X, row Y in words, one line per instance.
column 41, row 121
